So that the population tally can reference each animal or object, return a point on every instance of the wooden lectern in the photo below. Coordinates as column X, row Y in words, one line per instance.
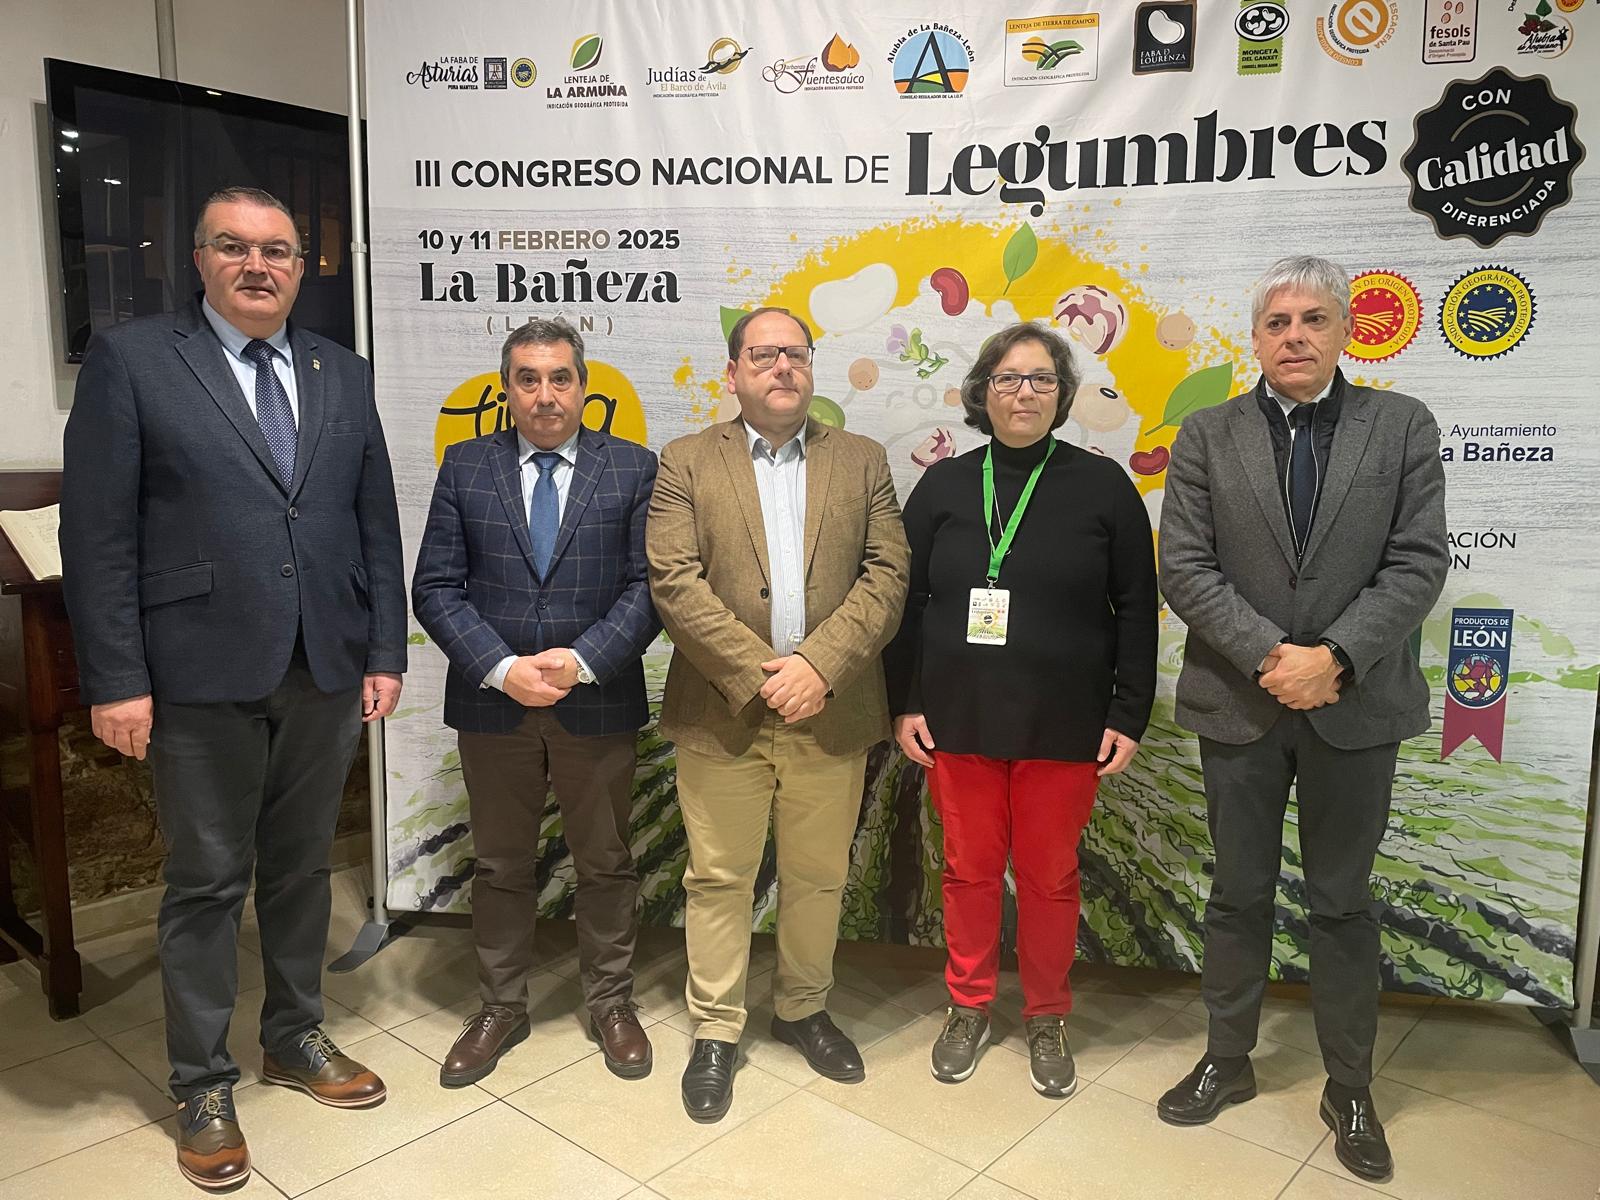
column 38, row 687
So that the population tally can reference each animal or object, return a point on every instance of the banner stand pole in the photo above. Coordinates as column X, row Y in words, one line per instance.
column 1579, row 1026
column 379, row 929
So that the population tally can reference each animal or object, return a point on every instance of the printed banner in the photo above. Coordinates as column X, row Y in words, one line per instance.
column 910, row 179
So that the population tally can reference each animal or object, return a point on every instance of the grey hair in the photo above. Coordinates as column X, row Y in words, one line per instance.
column 975, row 387
column 541, row 332
column 1302, row 273
column 241, row 195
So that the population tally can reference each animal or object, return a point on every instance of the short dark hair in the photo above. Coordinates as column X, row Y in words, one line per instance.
column 241, row 195
column 975, row 387
column 541, row 332
column 736, row 334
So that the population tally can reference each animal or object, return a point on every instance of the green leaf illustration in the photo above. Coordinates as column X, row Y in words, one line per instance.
column 586, row 52
column 1204, row 389
column 730, row 317
column 1056, row 54
column 1020, row 253
column 1543, row 10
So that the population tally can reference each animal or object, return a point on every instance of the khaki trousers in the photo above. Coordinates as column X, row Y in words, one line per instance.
column 509, row 777
column 813, row 800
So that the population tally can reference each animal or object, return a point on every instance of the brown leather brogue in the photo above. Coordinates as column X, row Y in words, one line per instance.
column 622, row 1040
column 211, row 1149
column 483, row 1039
column 327, row 1074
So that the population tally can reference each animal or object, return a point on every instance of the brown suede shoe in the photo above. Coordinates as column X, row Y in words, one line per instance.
column 622, row 1040
column 211, row 1149
column 483, row 1039
column 324, row 1072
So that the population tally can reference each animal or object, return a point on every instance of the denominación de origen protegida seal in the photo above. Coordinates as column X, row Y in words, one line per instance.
column 1493, row 157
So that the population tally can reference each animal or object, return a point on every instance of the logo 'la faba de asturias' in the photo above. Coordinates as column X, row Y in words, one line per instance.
column 1493, row 157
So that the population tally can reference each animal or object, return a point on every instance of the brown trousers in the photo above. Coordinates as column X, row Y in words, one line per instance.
column 508, row 777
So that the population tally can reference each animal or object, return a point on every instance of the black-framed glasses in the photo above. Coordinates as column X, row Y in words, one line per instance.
column 1042, row 382
column 236, row 250
column 763, row 357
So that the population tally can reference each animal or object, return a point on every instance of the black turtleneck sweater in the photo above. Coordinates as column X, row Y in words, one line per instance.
column 1080, row 653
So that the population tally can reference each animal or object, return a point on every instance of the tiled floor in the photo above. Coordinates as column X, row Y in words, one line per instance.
column 1480, row 1102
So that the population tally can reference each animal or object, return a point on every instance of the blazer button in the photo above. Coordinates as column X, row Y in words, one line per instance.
column 544, row 604
column 294, row 513
column 763, row 593
column 286, row 570
column 1293, row 580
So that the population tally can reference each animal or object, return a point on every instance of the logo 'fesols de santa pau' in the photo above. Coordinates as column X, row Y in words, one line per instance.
column 1493, row 157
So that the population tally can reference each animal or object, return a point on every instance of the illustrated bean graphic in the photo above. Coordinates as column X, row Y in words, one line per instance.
column 951, row 285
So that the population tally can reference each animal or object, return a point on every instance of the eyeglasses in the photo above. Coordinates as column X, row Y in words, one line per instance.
column 1042, row 382
column 763, row 357
column 232, row 250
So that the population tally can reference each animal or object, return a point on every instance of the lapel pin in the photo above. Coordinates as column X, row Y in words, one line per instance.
column 316, row 364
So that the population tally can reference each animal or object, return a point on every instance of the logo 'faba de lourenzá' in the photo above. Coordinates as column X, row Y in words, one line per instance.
column 1493, row 157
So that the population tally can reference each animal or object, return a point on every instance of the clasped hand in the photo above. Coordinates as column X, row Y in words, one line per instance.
column 539, row 680
column 1301, row 677
column 795, row 690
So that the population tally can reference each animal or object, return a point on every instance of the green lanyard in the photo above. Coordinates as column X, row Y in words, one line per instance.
column 998, row 551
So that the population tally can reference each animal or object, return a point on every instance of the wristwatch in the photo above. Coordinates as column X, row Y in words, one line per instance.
column 1339, row 656
column 584, row 674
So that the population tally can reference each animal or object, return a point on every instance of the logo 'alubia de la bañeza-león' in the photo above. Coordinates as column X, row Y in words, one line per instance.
column 1493, row 157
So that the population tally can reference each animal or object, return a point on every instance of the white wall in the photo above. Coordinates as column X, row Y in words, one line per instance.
column 289, row 50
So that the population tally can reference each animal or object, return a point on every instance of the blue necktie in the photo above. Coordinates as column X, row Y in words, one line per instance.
column 273, row 411
column 1302, row 483
column 544, row 511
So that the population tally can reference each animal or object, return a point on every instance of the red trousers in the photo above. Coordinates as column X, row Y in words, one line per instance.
column 1033, row 811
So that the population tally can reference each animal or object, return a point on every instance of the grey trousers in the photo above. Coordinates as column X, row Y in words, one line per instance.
column 244, row 788
column 509, row 777
column 1343, row 798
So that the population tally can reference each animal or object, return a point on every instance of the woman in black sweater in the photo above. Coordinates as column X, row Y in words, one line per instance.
column 1024, row 670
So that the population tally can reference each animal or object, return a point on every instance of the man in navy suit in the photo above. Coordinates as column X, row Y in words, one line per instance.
column 532, row 580
column 234, row 577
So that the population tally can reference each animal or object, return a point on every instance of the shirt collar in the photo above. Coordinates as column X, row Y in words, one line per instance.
column 568, row 449
column 1288, row 405
column 235, row 340
column 795, row 447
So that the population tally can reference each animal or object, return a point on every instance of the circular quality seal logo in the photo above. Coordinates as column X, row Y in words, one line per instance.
column 1493, row 157
column 1487, row 312
column 1385, row 313
column 523, row 72
column 1478, row 680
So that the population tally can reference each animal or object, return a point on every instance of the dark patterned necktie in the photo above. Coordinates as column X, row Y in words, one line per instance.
column 1302, row 484
column 273, row 411
column 544, row 511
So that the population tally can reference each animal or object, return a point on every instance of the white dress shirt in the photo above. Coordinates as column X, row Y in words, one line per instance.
column 562, row 472
column 781, row 484
column 244, row 370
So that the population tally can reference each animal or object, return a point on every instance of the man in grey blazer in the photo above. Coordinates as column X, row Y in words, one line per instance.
column 1302, row 542
column 233, row 574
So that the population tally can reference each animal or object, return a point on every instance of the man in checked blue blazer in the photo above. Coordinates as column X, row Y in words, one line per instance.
column 531, row 578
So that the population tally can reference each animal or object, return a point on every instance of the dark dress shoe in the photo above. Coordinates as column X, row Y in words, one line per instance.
column 482, row 1040
column 1358, row 1139
column 324, row 1072
column 830, row 1053
column 622, row 1041
column 1202, row 1093
column 708, row 1080
column 211, row 1149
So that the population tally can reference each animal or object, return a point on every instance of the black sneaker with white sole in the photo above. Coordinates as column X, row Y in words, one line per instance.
column 956, row 1049
column 1050, row 1057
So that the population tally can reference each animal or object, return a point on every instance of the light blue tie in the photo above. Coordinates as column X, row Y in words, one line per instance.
column 544, row 511
column 273, row 411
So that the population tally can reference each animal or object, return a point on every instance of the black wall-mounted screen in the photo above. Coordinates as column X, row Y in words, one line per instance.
column 134, row 159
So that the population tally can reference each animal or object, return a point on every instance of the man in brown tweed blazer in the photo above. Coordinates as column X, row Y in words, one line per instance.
column 779, row 567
